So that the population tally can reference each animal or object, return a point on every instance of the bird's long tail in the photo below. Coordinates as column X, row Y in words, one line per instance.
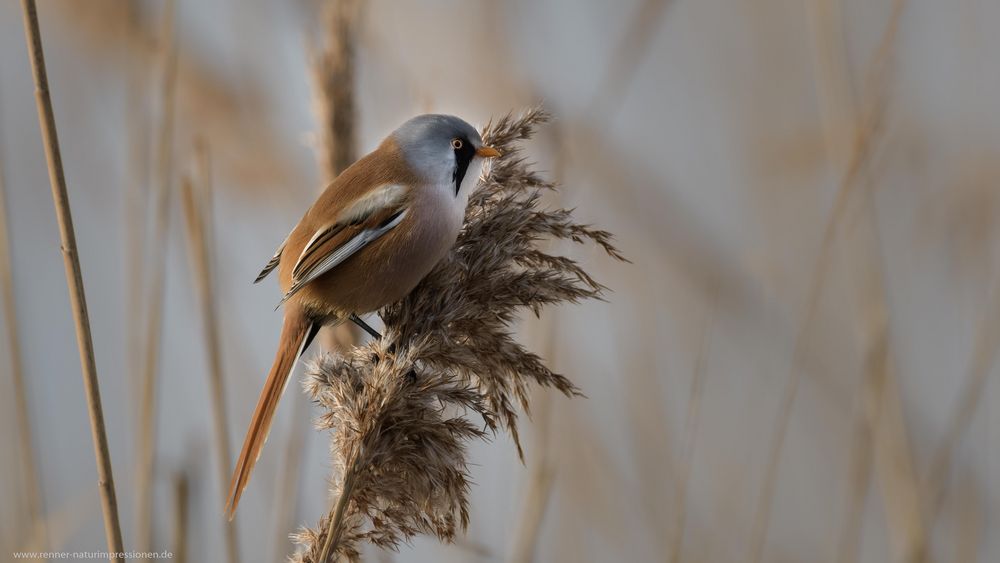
column 296, row 333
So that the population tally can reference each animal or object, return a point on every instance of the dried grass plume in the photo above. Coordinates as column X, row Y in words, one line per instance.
column 448, row 369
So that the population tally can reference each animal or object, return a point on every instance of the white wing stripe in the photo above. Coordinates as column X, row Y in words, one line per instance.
column 343, row 252
column 308, row 246
column 376, row 200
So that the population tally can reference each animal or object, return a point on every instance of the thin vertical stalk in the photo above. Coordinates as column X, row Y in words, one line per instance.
column 181, row 517
column 984, row 354
column 27, row 457
column 691, row 436
column 74, row 278
column 540, row 479
column 197, row 211
column 849, row 535
column 154, row 316
column 136, row 202
column 286, row 491
column 335, row 525
column 883, row 406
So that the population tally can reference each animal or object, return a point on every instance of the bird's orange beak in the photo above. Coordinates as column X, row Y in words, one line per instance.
column 487, row 152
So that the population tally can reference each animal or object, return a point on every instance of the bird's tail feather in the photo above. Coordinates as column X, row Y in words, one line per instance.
column 296, row 333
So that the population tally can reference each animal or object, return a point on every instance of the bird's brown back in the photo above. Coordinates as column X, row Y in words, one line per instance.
column 384, row 165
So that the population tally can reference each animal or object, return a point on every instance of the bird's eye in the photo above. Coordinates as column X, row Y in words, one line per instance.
column 456, row 144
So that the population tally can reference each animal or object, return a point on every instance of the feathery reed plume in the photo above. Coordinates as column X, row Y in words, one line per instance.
column 399, row 405
column 74, row 279
column 154, row 316
column 198, row 214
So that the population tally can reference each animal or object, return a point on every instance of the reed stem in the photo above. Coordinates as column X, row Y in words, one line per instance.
column 197, row 211
column 335, row 527
column 27, row 457
column 74, row 279
column 145, row 466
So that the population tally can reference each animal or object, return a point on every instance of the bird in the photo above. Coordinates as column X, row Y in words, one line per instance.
column 376, row 230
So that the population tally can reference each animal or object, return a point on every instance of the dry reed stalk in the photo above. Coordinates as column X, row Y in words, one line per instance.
column 983, row 359
column 286, row 490
column 333, row 88
column 969, row 525
column 181, row 517
column 400, row 404
column 837, row 109
column 27, row 455
column 626, row 58
column 691, row 436
column 868, row 125
column 883, row 407
column 74, row 279
column 136, row 199
column 198, row 214
column 540, row 479
column 849, row 535
column 146, row 448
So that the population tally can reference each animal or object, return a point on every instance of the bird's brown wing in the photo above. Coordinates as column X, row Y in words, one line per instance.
column 358, row 225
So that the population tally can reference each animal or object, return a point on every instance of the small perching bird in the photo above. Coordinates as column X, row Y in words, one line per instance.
column 366, row 242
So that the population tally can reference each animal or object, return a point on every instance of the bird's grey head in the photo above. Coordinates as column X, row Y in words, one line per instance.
column 440, row 148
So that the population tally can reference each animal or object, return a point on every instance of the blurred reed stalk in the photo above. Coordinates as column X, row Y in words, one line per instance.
column 27, row 456
column 199, row 226
column 883, row 405
column 692, row 418
column 146, row 448
column 837, row 111
column 181, row 492
column 970, row 523
column 626, row 58
column 332, row 65
column 74, row 279
column 538, row 490
column 136, row 197
column 984, row 354
column 869, row 122
column 333, row 88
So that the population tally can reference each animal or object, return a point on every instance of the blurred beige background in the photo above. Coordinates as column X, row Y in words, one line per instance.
column 712, row 137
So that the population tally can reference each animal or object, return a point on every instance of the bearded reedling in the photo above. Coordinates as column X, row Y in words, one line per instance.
column 369, row 239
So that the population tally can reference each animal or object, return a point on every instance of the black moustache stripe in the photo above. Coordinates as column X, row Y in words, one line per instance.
column 463, row 157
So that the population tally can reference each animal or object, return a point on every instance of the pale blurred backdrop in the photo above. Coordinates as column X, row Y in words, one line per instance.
column 718, row 139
